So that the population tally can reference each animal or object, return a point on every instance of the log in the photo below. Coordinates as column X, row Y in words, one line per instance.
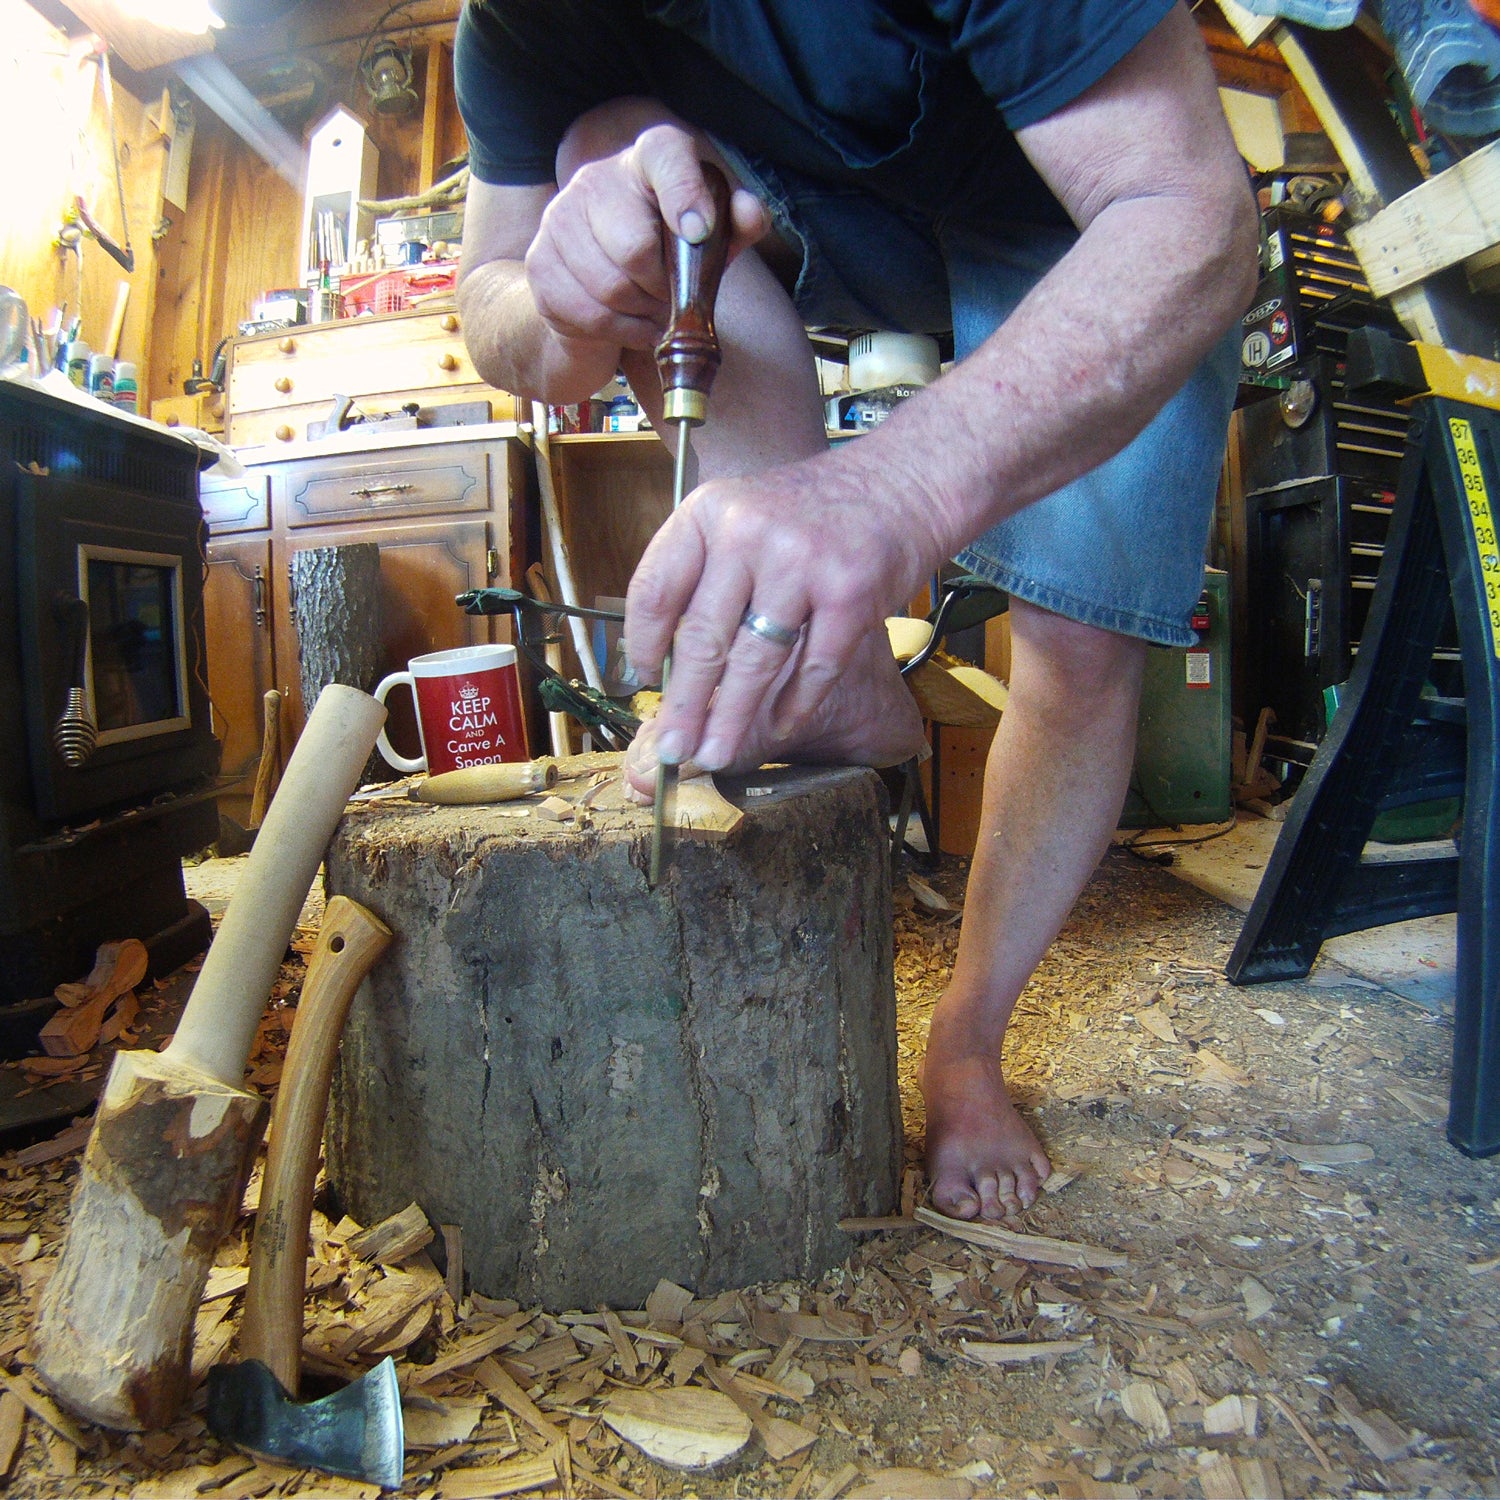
column 606, row 1085
column 335, row 596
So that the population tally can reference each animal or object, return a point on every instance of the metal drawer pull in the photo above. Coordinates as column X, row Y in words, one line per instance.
column 370, row 491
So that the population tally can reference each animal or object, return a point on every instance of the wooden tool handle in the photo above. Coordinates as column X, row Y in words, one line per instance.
column 688, row 355
column 219, row 1023
column 349, row 942
column 265, row 773
column 503, row 782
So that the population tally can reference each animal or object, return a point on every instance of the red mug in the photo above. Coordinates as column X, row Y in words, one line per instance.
column 468, row 709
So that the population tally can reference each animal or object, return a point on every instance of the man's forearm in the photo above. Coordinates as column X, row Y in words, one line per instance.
column 515, row 351
column 1080, row 367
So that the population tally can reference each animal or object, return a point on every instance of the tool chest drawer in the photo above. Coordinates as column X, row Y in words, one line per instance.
column 231, row 505
column 386, row 488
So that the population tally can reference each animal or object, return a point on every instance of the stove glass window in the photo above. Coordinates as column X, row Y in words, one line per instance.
column 135, row 642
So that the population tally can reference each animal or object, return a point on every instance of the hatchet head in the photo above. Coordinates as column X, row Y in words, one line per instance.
column 356, row 1432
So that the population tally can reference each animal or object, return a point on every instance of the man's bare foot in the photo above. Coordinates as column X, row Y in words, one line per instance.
column 983, row 1162
column 869, row 718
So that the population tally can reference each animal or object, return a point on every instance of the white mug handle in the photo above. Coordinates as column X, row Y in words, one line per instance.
column 400, row 762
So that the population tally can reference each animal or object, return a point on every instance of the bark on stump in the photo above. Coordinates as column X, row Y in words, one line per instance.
column 605, row 1084
column 336, row 602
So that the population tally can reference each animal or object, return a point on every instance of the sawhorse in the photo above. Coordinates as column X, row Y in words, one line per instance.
column 1390, row 745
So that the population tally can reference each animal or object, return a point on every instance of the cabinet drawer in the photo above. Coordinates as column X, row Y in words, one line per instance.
column 236, row 505
column 322, row 492
column 358, row 357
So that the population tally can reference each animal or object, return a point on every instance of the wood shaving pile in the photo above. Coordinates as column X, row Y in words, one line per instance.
column 1274, row 1278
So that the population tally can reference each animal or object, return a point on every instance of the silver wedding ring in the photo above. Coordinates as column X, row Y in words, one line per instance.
column 768, row 630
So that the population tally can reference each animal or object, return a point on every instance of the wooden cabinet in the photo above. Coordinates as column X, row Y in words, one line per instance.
column 280, row 382
column 449, row 509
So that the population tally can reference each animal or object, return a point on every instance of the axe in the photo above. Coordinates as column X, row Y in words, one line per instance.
column 176, row 1131
column 357, row 1431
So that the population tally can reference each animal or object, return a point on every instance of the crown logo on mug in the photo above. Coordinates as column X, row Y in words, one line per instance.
column 468, row 692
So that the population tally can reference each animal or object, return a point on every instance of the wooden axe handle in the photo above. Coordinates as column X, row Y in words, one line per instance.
column 349, row 942
column 265, row 772
column 218, row 1026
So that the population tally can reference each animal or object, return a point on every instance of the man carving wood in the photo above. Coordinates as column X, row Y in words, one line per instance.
column 1056, row 184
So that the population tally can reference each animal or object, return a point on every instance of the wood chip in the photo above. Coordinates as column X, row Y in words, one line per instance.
column 555, row 810
column 1327, row 1156
column 1155, row 1020
column 837, row 1483
column 1210, row 1071
column 1258, row 1301
column 1216, row 1473
column 1259, row 1478
column 1224, row 1417
column 469, row 1351
column 1021, row 1353
column 1031, row 1247
column 624, row 1349
column 1300, row 1428
column 911, row 1484
column 46, row 1410
column 667, row 1303
column 393, row 1239
column 685, row 1428
column 12, row 1429
column 74, row 1138
column 1142, row 1405
column 494, row 1480
column 1373, row 1427
column 781, row 1437
column 510, row 1395
column 428, row 1423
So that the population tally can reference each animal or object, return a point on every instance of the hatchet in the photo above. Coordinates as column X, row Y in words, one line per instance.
column 357, row 1431
column 176, row 1131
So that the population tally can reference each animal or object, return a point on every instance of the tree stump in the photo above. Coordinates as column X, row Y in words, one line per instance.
column 605, row 1084
column 335, row 595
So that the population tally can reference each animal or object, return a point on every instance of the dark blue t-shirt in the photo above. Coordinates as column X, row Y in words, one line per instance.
column 914, row 100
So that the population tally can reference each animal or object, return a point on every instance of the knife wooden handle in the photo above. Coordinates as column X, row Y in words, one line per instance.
column 687, row 358
column 501, row 782
column 349, row 942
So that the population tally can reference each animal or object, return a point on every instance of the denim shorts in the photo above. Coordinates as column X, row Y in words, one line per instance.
column 1121, row 548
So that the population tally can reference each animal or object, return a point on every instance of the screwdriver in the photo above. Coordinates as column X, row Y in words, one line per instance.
column 687, row 359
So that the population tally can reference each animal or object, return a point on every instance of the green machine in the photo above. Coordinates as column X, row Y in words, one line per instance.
column 1181, row 772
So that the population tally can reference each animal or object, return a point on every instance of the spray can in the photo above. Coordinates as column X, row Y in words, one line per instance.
column 101, row 376
column 76, row 356
column 125, row 386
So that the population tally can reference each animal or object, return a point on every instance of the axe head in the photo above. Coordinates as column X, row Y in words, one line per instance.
column 356, row 1432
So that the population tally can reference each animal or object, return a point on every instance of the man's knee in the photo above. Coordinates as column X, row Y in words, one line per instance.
column 1070, row 662
column 607, row 128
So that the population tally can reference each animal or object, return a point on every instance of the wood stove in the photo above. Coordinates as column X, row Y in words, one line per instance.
column 107, row 752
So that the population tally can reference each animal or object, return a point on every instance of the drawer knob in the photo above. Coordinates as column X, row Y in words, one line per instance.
column 283, row 434
column 287, row 346
column 283, row 383
column 450, row 323
column 448, row 362
column 174, row 420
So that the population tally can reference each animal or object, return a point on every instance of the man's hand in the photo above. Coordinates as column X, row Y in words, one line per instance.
column 596, row 268
column 556, row 283
column 817, row 547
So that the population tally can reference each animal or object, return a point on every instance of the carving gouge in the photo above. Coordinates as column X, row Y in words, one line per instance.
column 687, row 359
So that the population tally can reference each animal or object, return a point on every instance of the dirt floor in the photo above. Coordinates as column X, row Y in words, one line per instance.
column 1301, row 1299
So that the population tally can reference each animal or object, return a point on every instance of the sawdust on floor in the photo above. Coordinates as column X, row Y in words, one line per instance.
column 1307, row 1303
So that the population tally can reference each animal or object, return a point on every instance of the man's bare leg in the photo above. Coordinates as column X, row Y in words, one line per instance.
column 1053, row 789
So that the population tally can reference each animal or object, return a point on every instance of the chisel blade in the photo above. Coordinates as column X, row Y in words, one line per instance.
column 663, row 806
